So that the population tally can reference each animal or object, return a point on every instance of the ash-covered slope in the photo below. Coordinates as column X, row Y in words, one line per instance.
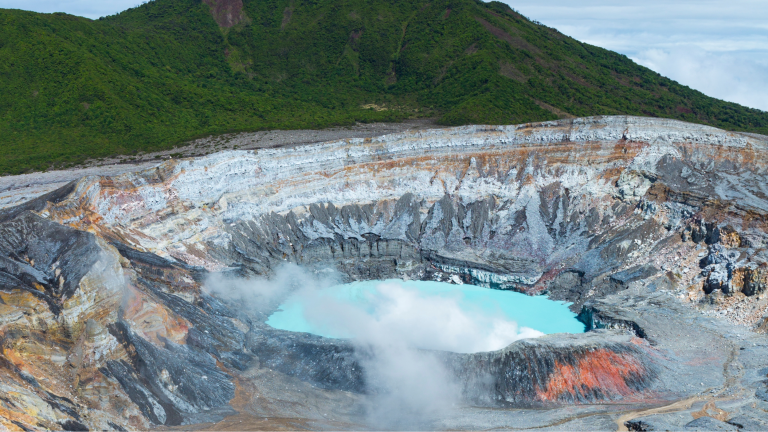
column 638, row 221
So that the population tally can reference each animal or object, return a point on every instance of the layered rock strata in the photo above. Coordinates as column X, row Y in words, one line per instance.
column 105, row 324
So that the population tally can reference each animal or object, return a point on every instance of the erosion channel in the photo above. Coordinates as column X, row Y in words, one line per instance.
column 141, row 300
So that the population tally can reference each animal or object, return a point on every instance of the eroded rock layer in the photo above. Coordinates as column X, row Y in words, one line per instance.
column 104, row 322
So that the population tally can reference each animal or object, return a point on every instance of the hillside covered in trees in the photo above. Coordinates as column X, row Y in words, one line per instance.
column 168, row 71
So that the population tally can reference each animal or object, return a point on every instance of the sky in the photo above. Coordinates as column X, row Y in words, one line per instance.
column 719, row 47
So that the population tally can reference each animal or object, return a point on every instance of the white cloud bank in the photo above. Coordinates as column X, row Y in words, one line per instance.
column 735, row 77
column 719, row 48
column 86, row 8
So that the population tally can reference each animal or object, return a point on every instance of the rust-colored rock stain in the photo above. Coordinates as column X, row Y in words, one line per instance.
column 602, row 370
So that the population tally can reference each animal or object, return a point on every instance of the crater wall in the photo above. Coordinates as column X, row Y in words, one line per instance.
column 103, row 279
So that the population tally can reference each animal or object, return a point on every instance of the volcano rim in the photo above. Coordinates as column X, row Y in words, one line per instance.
column 294, row 353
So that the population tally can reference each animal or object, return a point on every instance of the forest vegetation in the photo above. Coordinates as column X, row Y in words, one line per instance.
column 168, row 71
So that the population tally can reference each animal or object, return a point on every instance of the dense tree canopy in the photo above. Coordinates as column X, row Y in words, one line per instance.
column 168, row 71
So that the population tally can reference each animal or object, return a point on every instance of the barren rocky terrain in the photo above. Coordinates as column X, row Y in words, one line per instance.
column 655, row 230
column 15, row 190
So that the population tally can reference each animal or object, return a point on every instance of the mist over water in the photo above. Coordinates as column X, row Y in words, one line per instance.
column 424, row 314
column 399, row 328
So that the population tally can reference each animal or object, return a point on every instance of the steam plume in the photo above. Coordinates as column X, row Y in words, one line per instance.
column 396, row 340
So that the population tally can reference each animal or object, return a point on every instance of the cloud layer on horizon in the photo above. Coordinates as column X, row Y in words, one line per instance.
column 719, row 48
column 86, row 8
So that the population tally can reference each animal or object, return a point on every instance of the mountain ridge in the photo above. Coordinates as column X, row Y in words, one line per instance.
column 169, row 71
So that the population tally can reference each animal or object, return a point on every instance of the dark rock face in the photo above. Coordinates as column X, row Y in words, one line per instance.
column 227, row 13
column 762, row 391
column 594, row 318
column 176, row 377
column 530, row 373
column 33, row 252
column 638, row 426
column 327, row 363
column 166, row 382
column 637, row 222
column 755, row 280
column 455, row 238
column 746, row 423
column 540, row 373
column 622, row 279
column 710, row 424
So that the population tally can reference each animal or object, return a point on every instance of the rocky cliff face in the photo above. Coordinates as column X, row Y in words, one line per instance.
column 104, row 322
column 227, row 13
column 514, row 207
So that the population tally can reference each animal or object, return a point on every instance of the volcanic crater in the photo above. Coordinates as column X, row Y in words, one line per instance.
column 655, row 231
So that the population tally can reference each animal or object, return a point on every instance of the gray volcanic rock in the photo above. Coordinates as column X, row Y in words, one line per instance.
column 746, row 423
column 556, row 369
column 33, row 252
column 654, row 229
column 762, row 391
column 709, row 424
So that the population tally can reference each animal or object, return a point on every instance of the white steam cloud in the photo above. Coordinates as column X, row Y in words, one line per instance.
column 409, row 386
column 261, row 292
column 402, row 313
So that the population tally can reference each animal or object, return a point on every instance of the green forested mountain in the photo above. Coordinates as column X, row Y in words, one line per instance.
column 171, row 70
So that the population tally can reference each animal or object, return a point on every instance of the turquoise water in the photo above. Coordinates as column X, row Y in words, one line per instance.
column 462, row 318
